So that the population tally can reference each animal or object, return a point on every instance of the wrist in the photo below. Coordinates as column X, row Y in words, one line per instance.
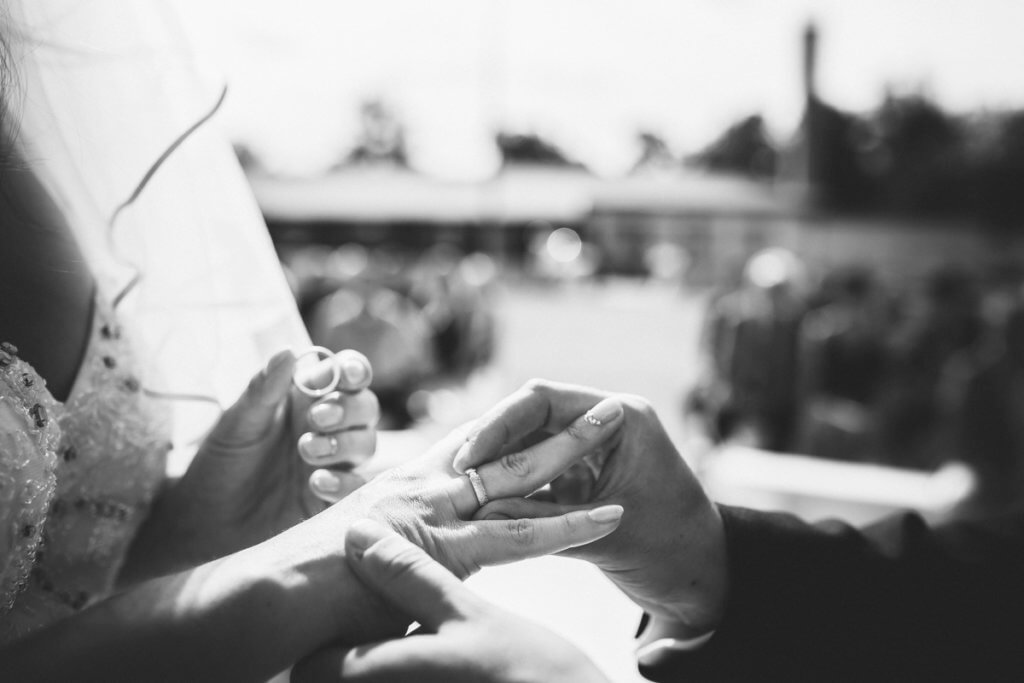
column 321, row 589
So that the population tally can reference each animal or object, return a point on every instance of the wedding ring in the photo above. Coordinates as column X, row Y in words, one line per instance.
column 590, row 419
column 478, row 486
column 335, row 372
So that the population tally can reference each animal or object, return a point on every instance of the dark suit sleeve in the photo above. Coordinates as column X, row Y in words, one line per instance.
column 898, row 601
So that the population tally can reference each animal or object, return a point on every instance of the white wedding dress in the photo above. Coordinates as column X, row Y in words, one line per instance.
column 192, row 303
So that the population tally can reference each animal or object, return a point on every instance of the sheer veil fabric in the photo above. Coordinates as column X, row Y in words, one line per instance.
column 103, row 89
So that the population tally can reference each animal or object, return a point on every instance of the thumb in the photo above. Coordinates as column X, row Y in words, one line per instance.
column 250, row 416
column 406, row 576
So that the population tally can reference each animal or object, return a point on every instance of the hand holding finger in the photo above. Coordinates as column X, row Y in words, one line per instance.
column 523, row 472
column 521, row 414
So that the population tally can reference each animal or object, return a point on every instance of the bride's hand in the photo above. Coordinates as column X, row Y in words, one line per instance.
column 430, row 504
column 247, row 481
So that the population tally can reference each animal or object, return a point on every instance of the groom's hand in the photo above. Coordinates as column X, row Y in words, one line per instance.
column 463, row 637
column 668, row 555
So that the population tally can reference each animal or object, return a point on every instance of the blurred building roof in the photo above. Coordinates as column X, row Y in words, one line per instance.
column 695, row 193
column 519, row 193
column 392, row 194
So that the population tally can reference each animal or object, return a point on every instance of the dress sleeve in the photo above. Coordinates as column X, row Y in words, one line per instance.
column 896, row 601
column 29, row 437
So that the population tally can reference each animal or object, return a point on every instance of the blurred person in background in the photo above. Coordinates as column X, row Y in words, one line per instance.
column 751, row 342
column 422, row 320
column 990, row 433
column 942, row 327
column 844, row 359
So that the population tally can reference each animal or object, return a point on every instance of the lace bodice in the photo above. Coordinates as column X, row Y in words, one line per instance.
column 76, row 479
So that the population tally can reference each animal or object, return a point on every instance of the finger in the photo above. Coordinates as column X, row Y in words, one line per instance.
column 338, row 411
column 356, row 371
column 253, row 414
column 524, row 508
column 392, row 661
column 538, row 405
column 406, row 576
column 330, row 486
column 497, row 542
column 523, row 472
column 349, row 448
column 353, row 368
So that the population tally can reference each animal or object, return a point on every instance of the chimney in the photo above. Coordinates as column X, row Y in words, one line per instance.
column 810, row 61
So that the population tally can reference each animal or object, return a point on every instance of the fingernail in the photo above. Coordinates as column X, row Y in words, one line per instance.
column 280, row 358
column 326, row 415
column 497, row 517
column 358, row 539
column 606, row 514
column 361, row 535
column 354, row 371
column 317, row 446
column 325, row 481
column 604, row 412
column 459, row 464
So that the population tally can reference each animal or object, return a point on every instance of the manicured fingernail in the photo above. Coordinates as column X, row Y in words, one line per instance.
column 326, row 415
column 317, row 446
column 606, row 514
column 325, row 481
column 354, row 371
column 604, row 412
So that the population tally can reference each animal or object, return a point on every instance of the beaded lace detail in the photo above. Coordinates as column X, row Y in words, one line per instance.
column 76, row 479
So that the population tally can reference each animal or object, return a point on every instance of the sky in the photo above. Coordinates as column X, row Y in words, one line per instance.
column 586, row 74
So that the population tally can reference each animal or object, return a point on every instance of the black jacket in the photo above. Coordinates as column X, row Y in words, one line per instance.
column 897, row 601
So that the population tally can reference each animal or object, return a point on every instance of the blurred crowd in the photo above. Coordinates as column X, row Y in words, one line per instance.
column 849, row 368
column 423, row 321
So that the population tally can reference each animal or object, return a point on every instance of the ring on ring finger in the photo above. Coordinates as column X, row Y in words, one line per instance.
column 478, row 486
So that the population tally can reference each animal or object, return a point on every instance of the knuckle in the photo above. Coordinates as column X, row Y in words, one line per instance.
column 576, row 431
column 517, row 464
column 639, row 405
column 521, row 531
column 536, row 385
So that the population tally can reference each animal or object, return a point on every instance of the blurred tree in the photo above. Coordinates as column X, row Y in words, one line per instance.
column 743, row 148
column 917, row 157
column 655, row 154
column 996, row 163
column 530, row 148
column 381, row 137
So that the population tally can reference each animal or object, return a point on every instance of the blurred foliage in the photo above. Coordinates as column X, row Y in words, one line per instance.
column 909, row 156
column 744, row 147
column 530, row 148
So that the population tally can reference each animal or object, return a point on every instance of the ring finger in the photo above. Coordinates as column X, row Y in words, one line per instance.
column 523, row 472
